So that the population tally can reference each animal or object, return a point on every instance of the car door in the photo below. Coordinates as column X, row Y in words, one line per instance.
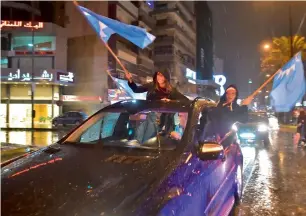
column 70, row 118
column 214, row 178
column 61, row 118
column 225, row 173
column 201, row 180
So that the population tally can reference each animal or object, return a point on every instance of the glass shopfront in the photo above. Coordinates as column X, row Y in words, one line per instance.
column 19, row 109
column 3, row 115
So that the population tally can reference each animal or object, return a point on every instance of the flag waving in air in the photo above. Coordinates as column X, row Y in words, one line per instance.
column 105, row 27
column 123, row 85
column 288, row 85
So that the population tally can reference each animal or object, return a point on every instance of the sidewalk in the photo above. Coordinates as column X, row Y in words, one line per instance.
column 288, row 128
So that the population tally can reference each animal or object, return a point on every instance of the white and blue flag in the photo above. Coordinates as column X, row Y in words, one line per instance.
column 105, row 27
column 124, row 86
column 288, row 85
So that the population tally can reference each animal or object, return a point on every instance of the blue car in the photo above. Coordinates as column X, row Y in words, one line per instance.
column 69, row 118
column 131, row 158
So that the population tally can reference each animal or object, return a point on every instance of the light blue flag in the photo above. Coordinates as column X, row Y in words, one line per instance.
column 288, row 85
column 123, row 85
column 105, row 27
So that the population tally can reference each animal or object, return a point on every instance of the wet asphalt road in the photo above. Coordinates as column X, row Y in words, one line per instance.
column 274, row 177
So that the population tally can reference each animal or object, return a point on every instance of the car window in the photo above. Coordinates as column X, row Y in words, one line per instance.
column 101, row 129
column 92, row 134
column 70, row 114
column 124, row 127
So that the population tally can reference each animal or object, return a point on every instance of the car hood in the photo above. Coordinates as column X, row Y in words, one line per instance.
column 71, row 180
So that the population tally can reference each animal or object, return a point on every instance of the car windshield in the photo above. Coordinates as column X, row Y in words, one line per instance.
column 147, row 129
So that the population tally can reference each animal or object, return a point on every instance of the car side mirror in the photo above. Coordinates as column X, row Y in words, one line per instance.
column 210, row 151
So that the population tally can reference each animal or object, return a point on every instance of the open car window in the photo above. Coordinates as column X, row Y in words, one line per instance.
column 148, row 128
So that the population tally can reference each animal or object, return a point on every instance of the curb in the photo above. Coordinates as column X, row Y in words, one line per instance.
column 288, row 126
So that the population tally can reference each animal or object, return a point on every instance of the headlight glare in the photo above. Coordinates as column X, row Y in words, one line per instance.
column 262, row 128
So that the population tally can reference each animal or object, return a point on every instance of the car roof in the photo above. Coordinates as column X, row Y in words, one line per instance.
column 139, row 105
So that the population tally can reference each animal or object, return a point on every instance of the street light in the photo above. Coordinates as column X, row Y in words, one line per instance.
column 268, row 75
column 266, row 46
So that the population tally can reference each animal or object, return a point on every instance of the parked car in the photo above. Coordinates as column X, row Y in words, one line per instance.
column 69, row 118
column 130, row 158
column 255, row 130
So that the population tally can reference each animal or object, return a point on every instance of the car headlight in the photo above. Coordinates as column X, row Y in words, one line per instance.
column 262, row 128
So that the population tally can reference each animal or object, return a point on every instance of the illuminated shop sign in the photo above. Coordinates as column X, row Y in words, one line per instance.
column 27, row 77
column 64, row 77
column 17, row 24
column 49, row 75
column 219, row 79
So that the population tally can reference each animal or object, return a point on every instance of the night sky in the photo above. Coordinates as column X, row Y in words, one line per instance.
column 240, row 27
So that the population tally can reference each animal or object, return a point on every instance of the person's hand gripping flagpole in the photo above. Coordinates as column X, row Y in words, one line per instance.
column 105, row 27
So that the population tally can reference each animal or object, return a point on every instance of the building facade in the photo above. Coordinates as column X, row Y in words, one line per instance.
column 137, row 61
column 175, row 45
column 33, row 65
column 88, row 56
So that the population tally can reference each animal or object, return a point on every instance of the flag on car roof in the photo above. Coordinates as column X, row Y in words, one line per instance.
column 288, row 85
column 105, row 27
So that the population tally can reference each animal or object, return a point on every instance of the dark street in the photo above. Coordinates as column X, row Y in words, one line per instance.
column 278, row 179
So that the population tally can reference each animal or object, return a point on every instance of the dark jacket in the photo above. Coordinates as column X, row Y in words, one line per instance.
column 226, row 115
column 155, row 94
column 301, row 123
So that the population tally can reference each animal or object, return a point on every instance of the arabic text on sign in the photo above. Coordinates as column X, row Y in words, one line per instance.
column 66, row 78
column 27, row 77
column 15, row 24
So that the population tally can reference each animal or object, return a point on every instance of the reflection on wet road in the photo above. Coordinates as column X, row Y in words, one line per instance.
column 276, row 183
column 37, row 138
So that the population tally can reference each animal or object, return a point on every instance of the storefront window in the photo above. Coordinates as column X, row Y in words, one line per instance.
column 3, row 91
column 3, row 115
column 4, row 62
column 43, row 92
column 40, row 43
column 42, row 62
column 21, row 92
column 20, row 115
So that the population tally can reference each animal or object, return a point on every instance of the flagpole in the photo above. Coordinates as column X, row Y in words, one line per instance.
column 109, row 49
column 264, row 84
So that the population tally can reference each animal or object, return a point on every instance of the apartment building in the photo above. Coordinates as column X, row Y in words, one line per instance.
column 175, row 45
column 88, row 56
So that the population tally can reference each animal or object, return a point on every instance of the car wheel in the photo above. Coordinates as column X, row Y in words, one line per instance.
column 55, row 124
column 238, row 184
column 77, row 123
